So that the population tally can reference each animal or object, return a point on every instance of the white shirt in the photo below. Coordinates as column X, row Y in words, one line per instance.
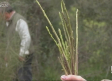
column 23, row 31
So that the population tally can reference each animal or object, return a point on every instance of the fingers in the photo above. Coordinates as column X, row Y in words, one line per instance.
column 72, row 78
column 106, row 80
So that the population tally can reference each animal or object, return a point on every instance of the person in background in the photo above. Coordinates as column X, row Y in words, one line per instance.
column 18, row 35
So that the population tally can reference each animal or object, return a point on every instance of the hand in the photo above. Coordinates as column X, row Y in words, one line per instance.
column 21, row 58
column 72, row 78
column 106, row 80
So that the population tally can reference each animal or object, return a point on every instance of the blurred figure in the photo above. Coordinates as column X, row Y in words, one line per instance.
column 18, row 40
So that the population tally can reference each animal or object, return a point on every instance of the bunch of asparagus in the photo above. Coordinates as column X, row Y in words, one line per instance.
column 66, row 43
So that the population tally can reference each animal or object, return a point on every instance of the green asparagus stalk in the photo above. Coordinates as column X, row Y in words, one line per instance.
column 68, row 53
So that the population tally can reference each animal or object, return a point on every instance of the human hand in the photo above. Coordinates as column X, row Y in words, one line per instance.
column 22, row 59
column 72, row 78
column 106, row 80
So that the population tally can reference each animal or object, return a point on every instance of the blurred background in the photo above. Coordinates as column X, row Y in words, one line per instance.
column 95, row 37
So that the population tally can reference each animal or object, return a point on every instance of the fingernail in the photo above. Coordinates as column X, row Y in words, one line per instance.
column 63, row 77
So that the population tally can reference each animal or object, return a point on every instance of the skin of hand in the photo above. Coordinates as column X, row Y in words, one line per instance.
column 21, row 58
column 106, row 80
column 72, row 78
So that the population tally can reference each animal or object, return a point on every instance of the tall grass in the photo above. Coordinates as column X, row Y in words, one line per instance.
column 65, row 43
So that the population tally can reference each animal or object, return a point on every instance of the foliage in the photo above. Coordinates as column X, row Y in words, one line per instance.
column 95, row 41
column 68, row 58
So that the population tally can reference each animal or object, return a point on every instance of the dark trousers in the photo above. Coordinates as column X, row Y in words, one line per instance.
column 24, row 73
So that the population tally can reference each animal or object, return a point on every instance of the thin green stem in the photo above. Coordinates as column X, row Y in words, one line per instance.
column 48, row 20
column 68, row 57
column 76, row 66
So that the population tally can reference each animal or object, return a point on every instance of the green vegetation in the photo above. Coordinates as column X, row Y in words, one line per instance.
column 68, row 58
column 95, row 39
